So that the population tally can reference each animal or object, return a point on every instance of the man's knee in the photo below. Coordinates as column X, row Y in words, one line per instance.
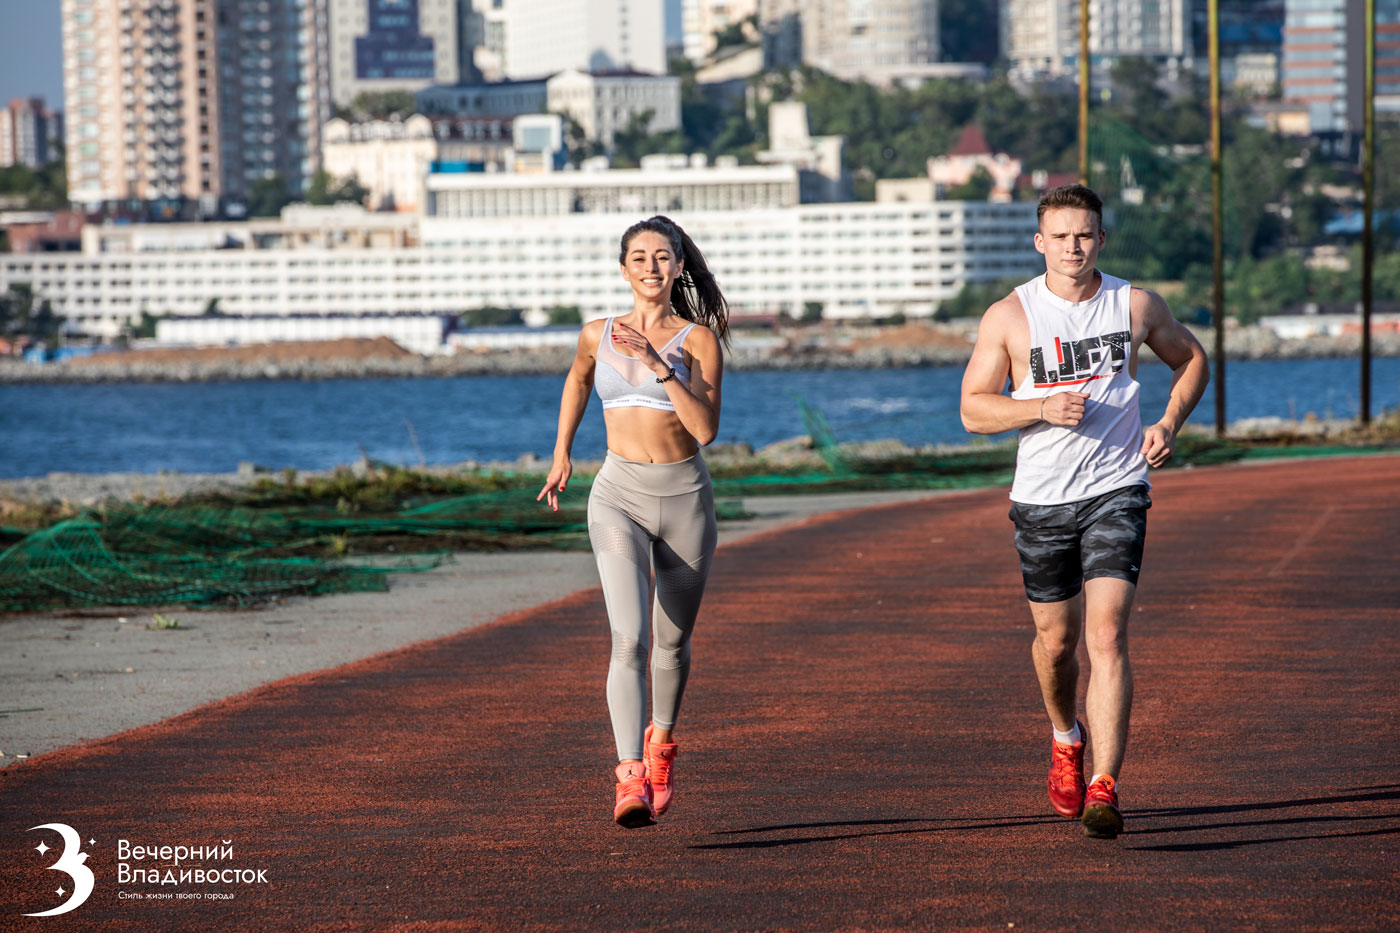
column 1056, row 646
column 1109, row 640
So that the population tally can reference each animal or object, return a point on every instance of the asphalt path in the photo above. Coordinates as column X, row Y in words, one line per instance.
column 862, row 747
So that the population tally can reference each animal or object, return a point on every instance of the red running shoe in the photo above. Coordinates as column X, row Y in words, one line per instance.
column 1102, row 819
column 1067, row 776
column 659, row 757
column 633, row 807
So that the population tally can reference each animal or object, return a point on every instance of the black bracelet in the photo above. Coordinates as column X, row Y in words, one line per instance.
column 670, row 374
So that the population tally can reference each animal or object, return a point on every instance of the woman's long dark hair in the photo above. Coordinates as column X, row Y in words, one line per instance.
column 695, row 294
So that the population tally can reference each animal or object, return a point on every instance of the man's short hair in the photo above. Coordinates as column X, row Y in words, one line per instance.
column 1075, row 196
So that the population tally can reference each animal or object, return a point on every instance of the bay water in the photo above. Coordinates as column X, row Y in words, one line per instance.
column 212, row 427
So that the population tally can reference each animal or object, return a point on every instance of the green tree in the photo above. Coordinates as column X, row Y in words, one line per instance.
column 811, row 312
column 977, row 188
column 565, row 314
column 350, row 190
column 491, row 316
column 16, row 307
column 382, row 105
column 324, row 190
column 268, row 196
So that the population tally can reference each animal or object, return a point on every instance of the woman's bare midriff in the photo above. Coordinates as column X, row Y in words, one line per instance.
column 648, row 435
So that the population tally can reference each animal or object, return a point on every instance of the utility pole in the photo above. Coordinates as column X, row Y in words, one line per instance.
column 1368, row 200
column 1084, row 92
column 1216, row 227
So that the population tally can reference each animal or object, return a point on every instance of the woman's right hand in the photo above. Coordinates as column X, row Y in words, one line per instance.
column 557, row 480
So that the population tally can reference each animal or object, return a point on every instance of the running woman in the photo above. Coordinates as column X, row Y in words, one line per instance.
column 658, row 373
column 1068, row 341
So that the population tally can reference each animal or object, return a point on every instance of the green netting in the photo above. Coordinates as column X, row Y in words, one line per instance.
column 217, row 554
column 196, row 555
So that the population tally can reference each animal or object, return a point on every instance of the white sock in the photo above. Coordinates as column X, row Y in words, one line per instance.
column 1072, row 737
column 1103, row 774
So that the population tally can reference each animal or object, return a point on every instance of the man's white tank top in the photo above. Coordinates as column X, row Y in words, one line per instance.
column 1079, row 347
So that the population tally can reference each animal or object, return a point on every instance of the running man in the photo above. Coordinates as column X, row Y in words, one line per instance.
column 1068, row 341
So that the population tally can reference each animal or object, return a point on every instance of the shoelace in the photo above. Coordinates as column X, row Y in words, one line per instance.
column 659, row 770
column 1062, row 767
column 1101, row 790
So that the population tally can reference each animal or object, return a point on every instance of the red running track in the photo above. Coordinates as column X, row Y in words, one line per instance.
column 863, row 747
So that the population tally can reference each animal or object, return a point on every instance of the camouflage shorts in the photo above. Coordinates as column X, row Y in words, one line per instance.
column 1063, row 545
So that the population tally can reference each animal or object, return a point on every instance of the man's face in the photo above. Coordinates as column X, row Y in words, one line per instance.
column 1070, row 238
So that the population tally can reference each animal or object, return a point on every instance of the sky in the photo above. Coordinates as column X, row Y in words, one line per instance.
column 31, row 51
column 31, row 48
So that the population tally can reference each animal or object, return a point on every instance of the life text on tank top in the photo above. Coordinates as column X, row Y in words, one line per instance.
column 1079, row 347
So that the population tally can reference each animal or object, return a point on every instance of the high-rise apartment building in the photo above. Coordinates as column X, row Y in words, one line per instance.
column 399, row 45
column 543, row 37
column 28, row 132
column 1324, row 57
column 869, row 40
column 141, row 84
column 1041, row 37
column 192, row 100
column 275, row 92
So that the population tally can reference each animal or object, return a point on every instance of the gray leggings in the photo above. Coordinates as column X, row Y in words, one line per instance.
column 642, row 515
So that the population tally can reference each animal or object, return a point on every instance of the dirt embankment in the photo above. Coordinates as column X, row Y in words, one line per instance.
column 347, row 348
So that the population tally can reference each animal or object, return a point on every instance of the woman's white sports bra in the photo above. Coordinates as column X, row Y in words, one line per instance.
column 625, row 382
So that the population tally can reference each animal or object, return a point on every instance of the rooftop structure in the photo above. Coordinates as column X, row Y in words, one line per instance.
column 663, row 184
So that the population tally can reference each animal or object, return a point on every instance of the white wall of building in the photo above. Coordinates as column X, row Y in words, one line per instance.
column 543, row 37
column 858, row 259
column 390, row 159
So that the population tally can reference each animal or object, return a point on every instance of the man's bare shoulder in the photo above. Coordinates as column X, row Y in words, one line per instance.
column 1004, row 315
column 1145, row 305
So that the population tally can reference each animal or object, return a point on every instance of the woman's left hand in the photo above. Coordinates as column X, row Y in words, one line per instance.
column 636, row 341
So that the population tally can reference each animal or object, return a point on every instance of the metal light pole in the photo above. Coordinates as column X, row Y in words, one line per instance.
column 1216, row 227
column 1368, row 201
column 1084, row 92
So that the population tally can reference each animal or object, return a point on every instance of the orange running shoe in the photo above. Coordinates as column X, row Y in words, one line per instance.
column 659, row 757
column 1067, row 776
column 633, row 796
column 1102, row 819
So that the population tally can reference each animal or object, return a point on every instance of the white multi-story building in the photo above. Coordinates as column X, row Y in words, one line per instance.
column 600, row 102
column 391, row 158
column 856, row 258
column 603, row 103
column 1041, row 37
column 543, row 37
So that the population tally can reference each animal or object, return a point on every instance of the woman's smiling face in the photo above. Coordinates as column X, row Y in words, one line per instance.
column 651, row 266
